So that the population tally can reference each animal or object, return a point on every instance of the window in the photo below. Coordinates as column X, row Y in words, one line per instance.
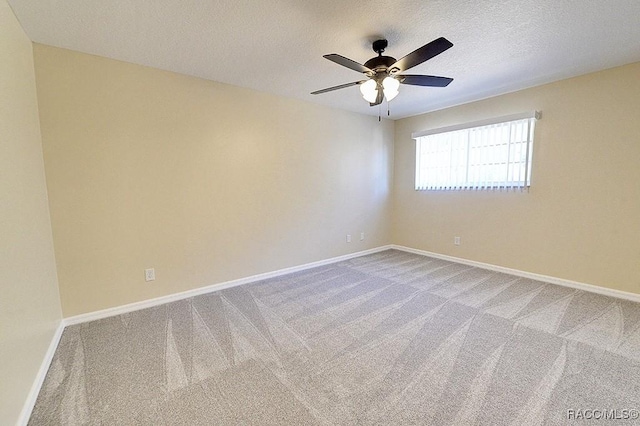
column 493, row 154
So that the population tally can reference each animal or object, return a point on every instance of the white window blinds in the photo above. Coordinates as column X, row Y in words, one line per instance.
column 492, row 154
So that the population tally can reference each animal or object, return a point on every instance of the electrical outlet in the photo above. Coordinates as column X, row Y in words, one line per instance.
column 361, row 236
column 456, row 241
column 348, row 238
column 149, row 274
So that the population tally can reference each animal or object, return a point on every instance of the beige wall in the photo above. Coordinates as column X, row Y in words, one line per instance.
column 207, row 182
column 202, row 181
column 29, row 302
column 581, row 218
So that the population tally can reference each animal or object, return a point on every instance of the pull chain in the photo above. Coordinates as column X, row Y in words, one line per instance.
column 380, row 111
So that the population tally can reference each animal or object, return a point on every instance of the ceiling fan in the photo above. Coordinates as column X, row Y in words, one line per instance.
column 384, row 72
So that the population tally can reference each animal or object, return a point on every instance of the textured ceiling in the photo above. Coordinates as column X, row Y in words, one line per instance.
column 277, row 46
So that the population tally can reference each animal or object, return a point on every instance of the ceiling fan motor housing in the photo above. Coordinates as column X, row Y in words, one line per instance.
column 380, row 63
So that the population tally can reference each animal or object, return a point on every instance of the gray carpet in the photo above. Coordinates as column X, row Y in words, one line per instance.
column 386, row 339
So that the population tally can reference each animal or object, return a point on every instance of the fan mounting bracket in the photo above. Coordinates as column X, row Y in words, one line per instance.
column 379, row 46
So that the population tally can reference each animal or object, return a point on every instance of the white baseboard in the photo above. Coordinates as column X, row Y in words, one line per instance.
column 105, row 313
column 30, row 402
column 633, row 297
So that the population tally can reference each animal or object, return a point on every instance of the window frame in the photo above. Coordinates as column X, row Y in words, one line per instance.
column 524, row 182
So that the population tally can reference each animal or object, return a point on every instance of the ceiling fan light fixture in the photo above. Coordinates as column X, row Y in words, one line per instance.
column 390, row 88
column 369, row 90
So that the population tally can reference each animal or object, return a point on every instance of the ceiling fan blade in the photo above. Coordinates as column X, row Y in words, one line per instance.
column 425, row 80
column 379, row 98
column 346, row 62
column 342, row 86
column 422, row 54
